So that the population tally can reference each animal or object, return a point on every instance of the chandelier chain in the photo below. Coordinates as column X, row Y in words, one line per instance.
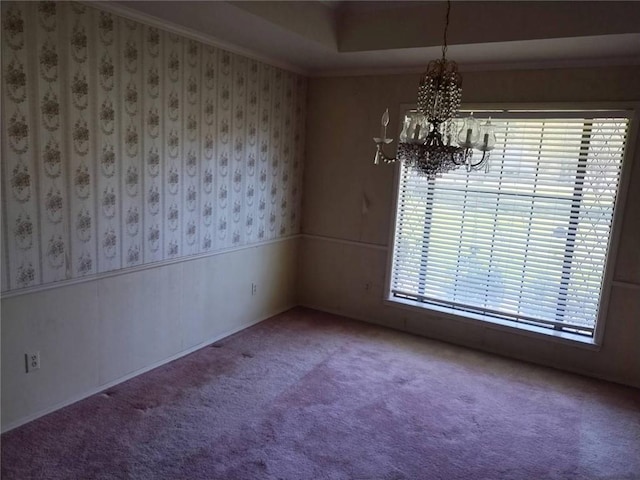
column 446, row 28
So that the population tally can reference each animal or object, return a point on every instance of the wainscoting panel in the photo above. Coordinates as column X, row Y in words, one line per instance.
column 98, row 333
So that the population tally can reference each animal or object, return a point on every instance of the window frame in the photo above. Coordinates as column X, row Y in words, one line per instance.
column 629, row 109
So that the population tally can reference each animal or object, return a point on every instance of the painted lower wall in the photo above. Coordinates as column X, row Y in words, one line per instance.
column 100, row 332
column 348, row 279
column 347, row 213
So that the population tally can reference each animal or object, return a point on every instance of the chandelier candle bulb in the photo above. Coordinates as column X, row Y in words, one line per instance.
column 385, row 122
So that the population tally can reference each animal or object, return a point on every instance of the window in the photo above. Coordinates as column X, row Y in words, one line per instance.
column 525, row 243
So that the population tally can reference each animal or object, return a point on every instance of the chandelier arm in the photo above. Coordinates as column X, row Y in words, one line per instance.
column 380, row 153
column 461, row 156
column 485, row 157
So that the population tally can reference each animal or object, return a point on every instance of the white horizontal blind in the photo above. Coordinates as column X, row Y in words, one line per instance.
column 526, row 241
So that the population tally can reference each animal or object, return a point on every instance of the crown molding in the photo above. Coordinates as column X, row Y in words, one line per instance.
column 484, row 67
column 150, row 20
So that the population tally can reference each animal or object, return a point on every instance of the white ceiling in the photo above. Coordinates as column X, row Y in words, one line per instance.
column 346, row 37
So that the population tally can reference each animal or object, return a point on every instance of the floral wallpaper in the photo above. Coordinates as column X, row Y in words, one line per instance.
column 123, row 145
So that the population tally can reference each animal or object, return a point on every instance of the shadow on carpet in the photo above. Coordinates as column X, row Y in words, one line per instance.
column 308, row 395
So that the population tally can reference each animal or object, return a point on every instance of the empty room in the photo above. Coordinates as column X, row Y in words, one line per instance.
column 291, row 240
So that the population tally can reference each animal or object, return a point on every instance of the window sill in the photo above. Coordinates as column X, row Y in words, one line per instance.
column 447, row 313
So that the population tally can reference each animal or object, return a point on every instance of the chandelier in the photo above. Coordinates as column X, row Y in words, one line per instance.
column 433, row 141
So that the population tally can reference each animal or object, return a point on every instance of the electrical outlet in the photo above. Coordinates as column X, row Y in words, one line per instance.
column 254, row 289
column 33, row 361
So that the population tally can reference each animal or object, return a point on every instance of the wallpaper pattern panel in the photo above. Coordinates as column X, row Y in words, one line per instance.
column 123, row 145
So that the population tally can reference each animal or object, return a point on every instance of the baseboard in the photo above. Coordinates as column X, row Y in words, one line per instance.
column 134, row 374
